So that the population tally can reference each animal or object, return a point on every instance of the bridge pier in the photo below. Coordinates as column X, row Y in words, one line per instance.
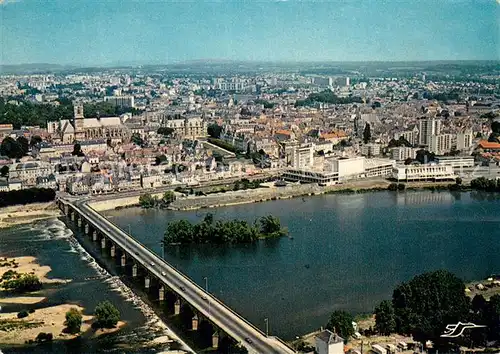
column 94, row 236
column 147, row 282
column 215, row 340
column 79, row 222
column 161, row 293
column 134, row 270
column 66, row 209
column 103, row 243
column 177, row 307
column 87, row 228
column 113, row 251
column 123, row 260
column 194, row 323
column 73, row 216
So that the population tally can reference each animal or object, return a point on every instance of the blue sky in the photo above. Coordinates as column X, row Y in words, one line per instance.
column 91, row 32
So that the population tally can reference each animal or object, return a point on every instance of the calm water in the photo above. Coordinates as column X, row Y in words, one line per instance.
column 347, row 252
column 53, row 244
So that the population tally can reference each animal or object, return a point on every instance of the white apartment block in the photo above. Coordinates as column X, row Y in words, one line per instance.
column 302, row 156
column 464, row 140
column 402, row 153
column 120, row 101
column 370, row 150
column 431, row 172
column 427, row 128
column 440, row 144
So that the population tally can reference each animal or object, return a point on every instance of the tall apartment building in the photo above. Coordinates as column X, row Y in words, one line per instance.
column 464, row 140
column 402, row 153
column 121, row 101
column 428, row 128
column 302, row 156
column 440, row 144
column 342, row 81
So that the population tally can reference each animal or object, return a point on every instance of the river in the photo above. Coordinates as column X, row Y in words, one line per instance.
column 53, row 244
column 345, row 251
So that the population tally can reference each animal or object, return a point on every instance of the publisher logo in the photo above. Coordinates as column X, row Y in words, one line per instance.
column 456, row 330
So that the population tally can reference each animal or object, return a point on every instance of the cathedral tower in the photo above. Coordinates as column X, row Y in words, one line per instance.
column 78, row 122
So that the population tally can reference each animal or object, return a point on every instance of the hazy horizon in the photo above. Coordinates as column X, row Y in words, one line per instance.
column 104, row 33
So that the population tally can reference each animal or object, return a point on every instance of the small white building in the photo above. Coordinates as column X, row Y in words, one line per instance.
column 328, row 342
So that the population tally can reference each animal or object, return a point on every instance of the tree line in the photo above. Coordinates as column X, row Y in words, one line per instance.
column 26, row 196
column 327, row 96
column 27, row 113
column 222, row 232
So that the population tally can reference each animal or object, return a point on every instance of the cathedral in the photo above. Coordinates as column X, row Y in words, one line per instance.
column 81, row 129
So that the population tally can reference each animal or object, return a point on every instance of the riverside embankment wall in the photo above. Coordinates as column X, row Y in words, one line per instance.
column 121, row 202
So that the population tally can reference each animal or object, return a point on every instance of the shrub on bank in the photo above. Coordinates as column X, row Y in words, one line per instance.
column 22, row 314
column 107, row 315
column 24, row 283
column 44, row 337
column 73, row 321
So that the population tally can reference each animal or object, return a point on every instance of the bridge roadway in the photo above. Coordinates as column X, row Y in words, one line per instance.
column 212, row 308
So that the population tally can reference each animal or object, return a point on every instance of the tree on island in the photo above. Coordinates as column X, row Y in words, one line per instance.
column 385, row 322
column 341, row 323
column 73, row 321
column 221, row 232
column 427, row 303
column 106, row 314
column 270, row 225
column 367, row 133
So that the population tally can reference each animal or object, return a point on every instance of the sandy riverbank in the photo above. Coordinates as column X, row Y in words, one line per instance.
column 46, row 319
column 23, row 214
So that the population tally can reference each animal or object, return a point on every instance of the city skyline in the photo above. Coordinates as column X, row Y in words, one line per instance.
column 106, row 33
